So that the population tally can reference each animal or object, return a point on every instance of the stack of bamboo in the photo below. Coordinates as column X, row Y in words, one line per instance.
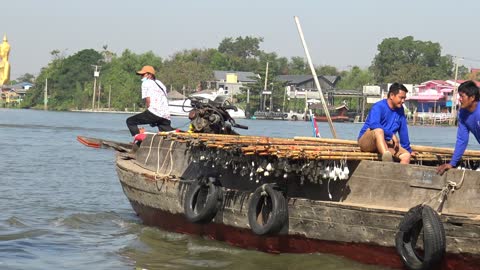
column 307, row 147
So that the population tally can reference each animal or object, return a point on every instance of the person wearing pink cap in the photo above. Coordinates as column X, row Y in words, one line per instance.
column 155, row 95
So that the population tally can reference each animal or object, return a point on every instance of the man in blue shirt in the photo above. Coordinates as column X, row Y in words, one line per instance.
column 468, row 121
column 386, row 118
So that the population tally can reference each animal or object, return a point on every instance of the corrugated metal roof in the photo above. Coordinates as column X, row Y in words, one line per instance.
column 298, row 79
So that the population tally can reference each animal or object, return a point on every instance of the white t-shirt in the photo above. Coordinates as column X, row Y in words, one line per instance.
column 158, row 98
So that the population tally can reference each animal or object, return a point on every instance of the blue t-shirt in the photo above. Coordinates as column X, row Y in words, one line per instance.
column 467, row 122
column 390, row 120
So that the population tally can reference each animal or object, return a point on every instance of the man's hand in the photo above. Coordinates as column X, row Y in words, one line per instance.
column 443, row 168
column 147, row 102
column 396, row 144
column 413, row 154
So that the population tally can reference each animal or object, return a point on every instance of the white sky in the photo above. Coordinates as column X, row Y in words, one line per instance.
column 340, row 33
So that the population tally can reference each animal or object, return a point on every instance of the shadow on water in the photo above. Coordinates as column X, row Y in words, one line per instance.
column 157, row 249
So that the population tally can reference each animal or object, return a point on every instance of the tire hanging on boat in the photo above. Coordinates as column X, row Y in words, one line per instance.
column 202, row 201
column 418, row 217
column 267, row 210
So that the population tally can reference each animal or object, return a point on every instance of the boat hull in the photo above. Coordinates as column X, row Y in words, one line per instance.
column 359, row 221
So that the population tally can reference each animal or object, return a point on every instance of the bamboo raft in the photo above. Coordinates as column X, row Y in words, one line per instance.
column 308, row 148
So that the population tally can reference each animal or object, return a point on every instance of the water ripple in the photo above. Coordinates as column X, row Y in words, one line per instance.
column 23, row 234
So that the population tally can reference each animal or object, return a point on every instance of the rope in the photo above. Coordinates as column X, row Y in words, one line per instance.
column 450, row 186
column 171, row 157
column 158, row 158
column 456, row 186
column 150, row 147
column 164, row 160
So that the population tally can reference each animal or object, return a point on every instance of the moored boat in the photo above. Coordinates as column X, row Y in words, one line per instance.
column 307, row 195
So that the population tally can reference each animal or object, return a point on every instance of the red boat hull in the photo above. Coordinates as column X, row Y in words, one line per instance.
column 367, row 254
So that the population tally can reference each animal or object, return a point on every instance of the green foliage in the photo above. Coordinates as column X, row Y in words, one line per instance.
column 70, row 79
column 297, row 66
column 248, row 47
column 185, row 75
column 408, row 60
column 327, row 71
column 27, row 77
column 355, row 79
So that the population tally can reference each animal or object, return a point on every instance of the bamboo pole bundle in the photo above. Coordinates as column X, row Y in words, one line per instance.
column 417, row 148
column 307, row 147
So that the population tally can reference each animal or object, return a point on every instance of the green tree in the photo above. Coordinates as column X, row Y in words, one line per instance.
column 119, row 76
column 248, row 47
column 327, row 71
column 185, row 75
column 355, row 79
column 410, row 61
column 27, row 77
column 297, row 66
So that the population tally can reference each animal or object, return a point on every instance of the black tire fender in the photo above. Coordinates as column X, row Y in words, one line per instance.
column 267, row 210
column 202, row 201
column 294, row 118
column 434, row 243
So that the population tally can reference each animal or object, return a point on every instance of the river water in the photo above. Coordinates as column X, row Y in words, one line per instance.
column 62, row 207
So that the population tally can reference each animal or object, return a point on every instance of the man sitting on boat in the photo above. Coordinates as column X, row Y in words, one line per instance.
column 386, row 118
column 155, row 95
column 468, row 121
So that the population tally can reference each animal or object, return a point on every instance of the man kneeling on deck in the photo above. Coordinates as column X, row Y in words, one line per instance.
column 155, row 96
column 386, row 118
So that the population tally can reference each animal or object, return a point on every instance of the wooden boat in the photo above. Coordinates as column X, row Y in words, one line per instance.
column 335, row 118
column 339, row 114
column 284, row 195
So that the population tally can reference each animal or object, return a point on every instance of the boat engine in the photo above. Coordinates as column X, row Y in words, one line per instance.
column 208, row 116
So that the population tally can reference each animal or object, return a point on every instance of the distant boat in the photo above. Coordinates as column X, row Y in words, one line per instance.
column 338, row 115
column 181, row 107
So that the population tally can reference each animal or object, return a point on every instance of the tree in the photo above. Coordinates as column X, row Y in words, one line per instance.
column 410, row 61
column 27, row 77
column 185, row 74
column 297, row 66
column 248, row 47
column 355, row 79
column 327, row 71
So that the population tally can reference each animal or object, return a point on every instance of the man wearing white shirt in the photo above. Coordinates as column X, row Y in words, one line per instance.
column 155, row 95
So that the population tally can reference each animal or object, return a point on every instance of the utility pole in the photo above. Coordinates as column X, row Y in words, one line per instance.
column 454, row 94
column 264, row 95
column 96, row 73
column 271, row 98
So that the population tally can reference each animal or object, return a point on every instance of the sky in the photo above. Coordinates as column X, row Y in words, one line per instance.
column 340, row 33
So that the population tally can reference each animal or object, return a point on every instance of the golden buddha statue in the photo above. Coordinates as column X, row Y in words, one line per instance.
column 4, row 64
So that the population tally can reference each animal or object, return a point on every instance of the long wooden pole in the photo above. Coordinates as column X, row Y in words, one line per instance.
column 314, row 74
column 454, row 95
